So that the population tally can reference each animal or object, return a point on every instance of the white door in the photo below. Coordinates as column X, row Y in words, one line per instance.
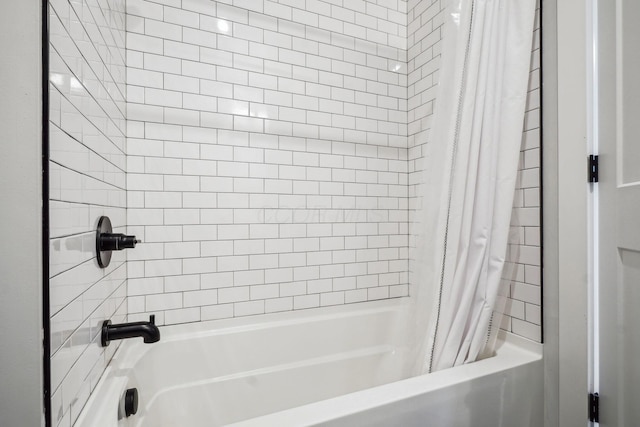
column 618, row 118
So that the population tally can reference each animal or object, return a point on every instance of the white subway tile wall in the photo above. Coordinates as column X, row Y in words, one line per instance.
column 87, row 179
column 522, row 312
column 523, row 272
column 267, row 155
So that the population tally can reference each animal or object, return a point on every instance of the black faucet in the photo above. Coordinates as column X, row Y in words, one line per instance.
column 148, row 330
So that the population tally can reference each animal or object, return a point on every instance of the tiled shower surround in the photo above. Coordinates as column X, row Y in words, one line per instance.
column 267, row 151
column 524, row 294
column 87, row 179
column 268, row 161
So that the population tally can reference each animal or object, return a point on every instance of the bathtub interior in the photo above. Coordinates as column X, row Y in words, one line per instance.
column 242, row 371
column 221, row 372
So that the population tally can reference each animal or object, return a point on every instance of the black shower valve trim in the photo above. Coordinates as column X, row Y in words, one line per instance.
column 107, row 241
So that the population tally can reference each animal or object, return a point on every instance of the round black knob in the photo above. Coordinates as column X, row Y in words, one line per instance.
column 131, row 402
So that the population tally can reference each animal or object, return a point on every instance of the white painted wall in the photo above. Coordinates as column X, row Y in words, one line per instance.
column 565, row 210
column 20, row 216
column 572, row 211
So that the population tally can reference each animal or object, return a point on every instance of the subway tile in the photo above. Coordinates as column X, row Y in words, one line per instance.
column 143, row 43
column 162, row 30
column 278, row 304
column 214, row 312
column 229, row 295
column 145, row 9
column 165, row 301
column 181, row 17
column 200, row 298
column 185, row 315
column 182, row 283
column 181, row 50
column 306, row 301
column 199, row 265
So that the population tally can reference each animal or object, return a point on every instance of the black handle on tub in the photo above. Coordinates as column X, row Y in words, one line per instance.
column 131, row 402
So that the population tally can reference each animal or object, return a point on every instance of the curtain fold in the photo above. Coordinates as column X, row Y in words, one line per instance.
column 470, row 177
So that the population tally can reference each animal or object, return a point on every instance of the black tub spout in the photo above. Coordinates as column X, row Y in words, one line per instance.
column 147, row 330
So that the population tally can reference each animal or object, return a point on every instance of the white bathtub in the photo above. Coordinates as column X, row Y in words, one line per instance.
column 341, row 366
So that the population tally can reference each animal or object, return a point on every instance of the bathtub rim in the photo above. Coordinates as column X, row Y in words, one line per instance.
column 512, row 351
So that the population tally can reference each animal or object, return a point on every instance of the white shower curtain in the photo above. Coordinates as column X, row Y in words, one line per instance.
column 470, row 176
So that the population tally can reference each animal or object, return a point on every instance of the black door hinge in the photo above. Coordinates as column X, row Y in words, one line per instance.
column 594, row 407
column 593, row 168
